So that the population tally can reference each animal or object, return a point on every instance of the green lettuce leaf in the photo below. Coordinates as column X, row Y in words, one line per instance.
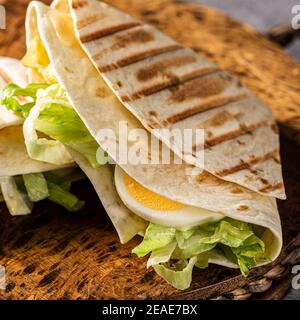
column 20, row 192
column 228, row 234
column 36, row 186
column 162, row 254
column 17, row 202
column 64, row 198
column 50, row 112
column 63, row 124
column 9, row 94
column 174, row 253
column 54, row 116
column 156, row 237
column 43, row 149
column 176, row 275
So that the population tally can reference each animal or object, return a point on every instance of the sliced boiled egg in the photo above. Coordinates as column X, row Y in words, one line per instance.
column 157, row 209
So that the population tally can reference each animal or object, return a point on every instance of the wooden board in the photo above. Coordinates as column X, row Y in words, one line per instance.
column 53, row 254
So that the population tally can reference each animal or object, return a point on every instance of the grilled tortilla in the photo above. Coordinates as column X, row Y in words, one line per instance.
column 166, row 85
column 99, row 108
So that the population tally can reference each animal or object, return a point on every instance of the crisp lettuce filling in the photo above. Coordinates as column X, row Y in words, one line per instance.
column 21, row 192
column 174, row 253
column 51, row 114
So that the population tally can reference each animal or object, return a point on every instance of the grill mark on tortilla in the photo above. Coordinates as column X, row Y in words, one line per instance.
column 173, row 81
column 236, row 190
column 5, row 76
column 242, row 208
column 264, row 181
column 90, row 20
column 219, row 119
column 235, row 134
column 96, row 35
column 200, row 88
column 241, row 143
column 214, row 103
column 137, row 57
column 247, row 165
column 79, row 4
column 269, row 188
column 160, row 67
column 137, row 36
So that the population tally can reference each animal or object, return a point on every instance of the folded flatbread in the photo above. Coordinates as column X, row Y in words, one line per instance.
column 115, row 69
column 166, row 85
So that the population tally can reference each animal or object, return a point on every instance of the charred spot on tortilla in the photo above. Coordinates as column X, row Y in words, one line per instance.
column 202, row 87
column 242, row 208
column 244, row 130
column 134, row 58
column 212, row 104
column 247, row 165
column 241, row 143
column 278, row 185
column 236, row 190
column 219, row 119
column 171, row 82
column 161, row 67
column 78, row 4
column 96, row 35
column 89, row 20
column 68, row 69
column 138, row 36
column 264, row 181
column 153, row 113
column 101, row 93
column 119, row 84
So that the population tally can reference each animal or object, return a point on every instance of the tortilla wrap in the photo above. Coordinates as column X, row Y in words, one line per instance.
column 99, row 109
column 14, row 160
column 166, row 85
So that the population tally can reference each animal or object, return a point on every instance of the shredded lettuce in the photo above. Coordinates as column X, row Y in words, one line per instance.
column 9, row 94
column 163, row 236
column 49, row 112
column 179, row 276
column 174, row 253
column 20, row 192
column 60, row 121
column 36, row 186
column 17, row 202
column 43, row 149
column 59, row 195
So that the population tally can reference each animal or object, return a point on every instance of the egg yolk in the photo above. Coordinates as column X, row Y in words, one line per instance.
column 148, row 198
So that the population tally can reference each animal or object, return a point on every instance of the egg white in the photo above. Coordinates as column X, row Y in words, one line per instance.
column 182, row 219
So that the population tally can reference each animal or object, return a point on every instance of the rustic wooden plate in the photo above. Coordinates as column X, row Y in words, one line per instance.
column 53, row 254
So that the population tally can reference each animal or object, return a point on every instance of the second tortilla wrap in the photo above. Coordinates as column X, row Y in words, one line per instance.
column 83, row 85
